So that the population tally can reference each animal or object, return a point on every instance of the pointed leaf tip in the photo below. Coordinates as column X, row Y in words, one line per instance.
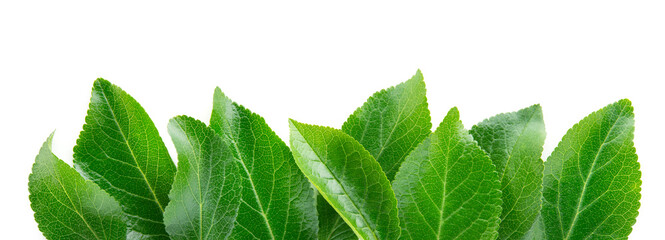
column 67, row 205
column 591, row 183
column 277, row 200
column 514, row 142
column 454, row 111
column 389, row 125
column 452, row 115
column 207, row 170
column 419, row 74
column 625, row 102
column 438, row 187
column 101, row 82
column 118, row 134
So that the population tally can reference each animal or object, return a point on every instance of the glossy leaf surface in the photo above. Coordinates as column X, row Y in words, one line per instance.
column 514, row 141
column 206, row 192
column 348, row 177
column 121, row 150
column 69, row 207
column 277, row 200
column 591, row 185
column 448, row 188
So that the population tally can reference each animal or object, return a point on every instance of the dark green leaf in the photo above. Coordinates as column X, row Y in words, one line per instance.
column 331, row 225
column 277, row 200
column 392, row 122
column 348, row 177
column 121, row 150
column 448, row 188
column 591, row 185
column 514, row 142
column 69, row 207
column 206, row 192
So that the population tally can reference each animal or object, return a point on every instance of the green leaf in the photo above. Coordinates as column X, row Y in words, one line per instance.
column 277, row 200
column 591, row 185
column 389, row 125
column 206, row 192
column 121, row 150
column 331, row 225
column 392, row 123
column 348, row 177
column 514, row 142
column 448, row 188
column 69, row 207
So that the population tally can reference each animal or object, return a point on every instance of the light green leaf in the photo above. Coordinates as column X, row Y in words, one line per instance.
column 348, row 177
column 448, row 188
column 514, row 142
column 277, row 200
column 389, row 125
column 69, row 207
column 206, row 192
column 591, row 185
column 392, row 123
column 537, row 231
column 121, row 150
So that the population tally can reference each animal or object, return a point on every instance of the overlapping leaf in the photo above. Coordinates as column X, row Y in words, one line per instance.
column 236, row 179
column 121, row 150
column 69, row 207
column 591, row 185
column 447, row 188
column 514, row 142
column 331, row 225
column 392, row 123
column 206, row 191
column 277, row 200
column 348, row 177
column 389, row 125
column 537, row 231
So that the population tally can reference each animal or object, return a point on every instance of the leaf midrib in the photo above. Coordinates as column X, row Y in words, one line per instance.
column 503, row 172
column 343, row 189
column 72, row 203
column 249, row 176
column 443, row 193
column 588, row 177
column 131, row 151
column 388, row 140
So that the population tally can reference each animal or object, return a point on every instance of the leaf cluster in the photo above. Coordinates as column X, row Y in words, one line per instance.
column 383, row 175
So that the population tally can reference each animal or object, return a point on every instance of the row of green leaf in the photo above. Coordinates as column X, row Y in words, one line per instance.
column 383, row 175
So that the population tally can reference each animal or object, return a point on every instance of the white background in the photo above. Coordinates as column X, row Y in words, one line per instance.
column 317, row 62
